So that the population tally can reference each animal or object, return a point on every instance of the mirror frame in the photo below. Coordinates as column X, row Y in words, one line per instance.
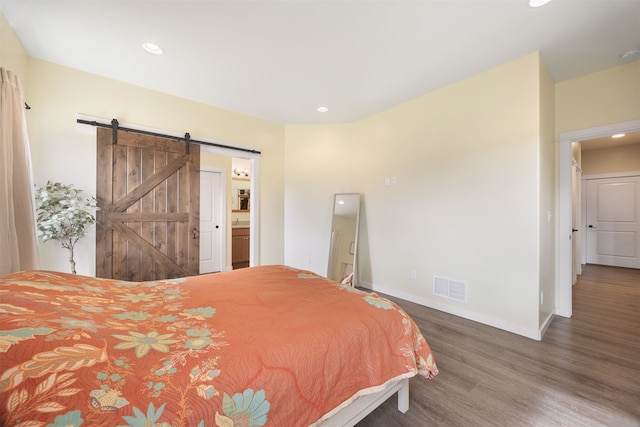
column 336, row 197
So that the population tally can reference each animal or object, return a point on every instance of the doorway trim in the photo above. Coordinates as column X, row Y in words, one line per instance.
column 564, row 303
column 254, row 217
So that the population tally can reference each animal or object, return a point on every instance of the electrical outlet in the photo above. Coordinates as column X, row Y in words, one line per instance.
column 413, row 275
column 307, row 260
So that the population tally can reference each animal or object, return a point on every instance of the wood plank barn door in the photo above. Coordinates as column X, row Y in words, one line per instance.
column 148, row 191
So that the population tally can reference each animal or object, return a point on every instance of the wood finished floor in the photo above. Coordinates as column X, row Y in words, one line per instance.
column 584, row 372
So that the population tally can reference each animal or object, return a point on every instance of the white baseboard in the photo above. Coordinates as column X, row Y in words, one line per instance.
column 546, row 324
column 535, row 334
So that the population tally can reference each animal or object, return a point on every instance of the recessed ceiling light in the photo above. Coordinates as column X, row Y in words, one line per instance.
column 630, row 55
column 152, row 48
column 618, row 135
column 322, row 109
column 538, row 3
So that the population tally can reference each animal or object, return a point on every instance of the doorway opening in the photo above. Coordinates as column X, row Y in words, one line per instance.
column 564, row 303
column 239, row 204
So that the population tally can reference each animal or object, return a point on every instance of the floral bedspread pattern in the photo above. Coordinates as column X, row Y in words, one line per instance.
column 263, row 346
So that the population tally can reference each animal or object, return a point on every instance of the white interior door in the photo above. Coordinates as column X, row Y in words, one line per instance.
column 211, row 221
column 613, row 223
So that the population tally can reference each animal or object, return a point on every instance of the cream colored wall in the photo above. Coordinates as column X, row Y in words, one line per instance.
column 318, row 163
column 606, row 97
column 466, row 204
column 548, row 150
column 624, row 158
column 63, row 153
column 214, row 160
column 12, row 54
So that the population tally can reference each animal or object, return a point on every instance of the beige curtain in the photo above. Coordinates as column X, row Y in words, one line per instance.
column 18, row 241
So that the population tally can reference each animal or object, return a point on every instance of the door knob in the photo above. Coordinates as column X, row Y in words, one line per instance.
column 574, row 230
column 592, row 226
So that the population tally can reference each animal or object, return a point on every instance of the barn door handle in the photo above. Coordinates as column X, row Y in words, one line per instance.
column 194, row 232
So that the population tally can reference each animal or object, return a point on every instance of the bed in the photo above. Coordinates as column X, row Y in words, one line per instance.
column 261, row 346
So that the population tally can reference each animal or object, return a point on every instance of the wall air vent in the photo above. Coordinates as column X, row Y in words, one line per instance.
column 450, row 288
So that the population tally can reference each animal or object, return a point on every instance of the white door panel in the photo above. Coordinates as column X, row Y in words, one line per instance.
column 210, row 222
column 613, row 221
column 619, row 243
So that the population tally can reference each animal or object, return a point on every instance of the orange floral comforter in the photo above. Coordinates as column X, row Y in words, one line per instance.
column 263, row 346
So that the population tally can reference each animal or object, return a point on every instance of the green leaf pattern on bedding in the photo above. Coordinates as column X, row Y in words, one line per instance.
column 225, row 350
column 152, row 319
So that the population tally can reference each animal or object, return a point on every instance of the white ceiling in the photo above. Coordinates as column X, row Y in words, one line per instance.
column 279, row 60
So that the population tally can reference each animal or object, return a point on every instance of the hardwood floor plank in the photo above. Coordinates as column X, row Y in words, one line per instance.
column 584, row 372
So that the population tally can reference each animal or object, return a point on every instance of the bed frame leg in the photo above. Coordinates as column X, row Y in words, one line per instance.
column 403, row 397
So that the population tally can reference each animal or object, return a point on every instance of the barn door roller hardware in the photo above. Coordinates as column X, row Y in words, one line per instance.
column 115, row 127
column 114, row 131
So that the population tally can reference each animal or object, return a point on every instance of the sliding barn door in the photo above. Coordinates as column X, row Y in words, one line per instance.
column 148, row 191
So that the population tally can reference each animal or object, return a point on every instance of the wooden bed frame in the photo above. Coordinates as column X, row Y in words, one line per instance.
column 361, row 407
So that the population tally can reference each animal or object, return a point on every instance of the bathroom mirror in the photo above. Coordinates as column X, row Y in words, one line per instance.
column 343, row 247
column 242, row 195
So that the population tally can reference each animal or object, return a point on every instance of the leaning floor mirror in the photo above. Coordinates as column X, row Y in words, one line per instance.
column 343, row 248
